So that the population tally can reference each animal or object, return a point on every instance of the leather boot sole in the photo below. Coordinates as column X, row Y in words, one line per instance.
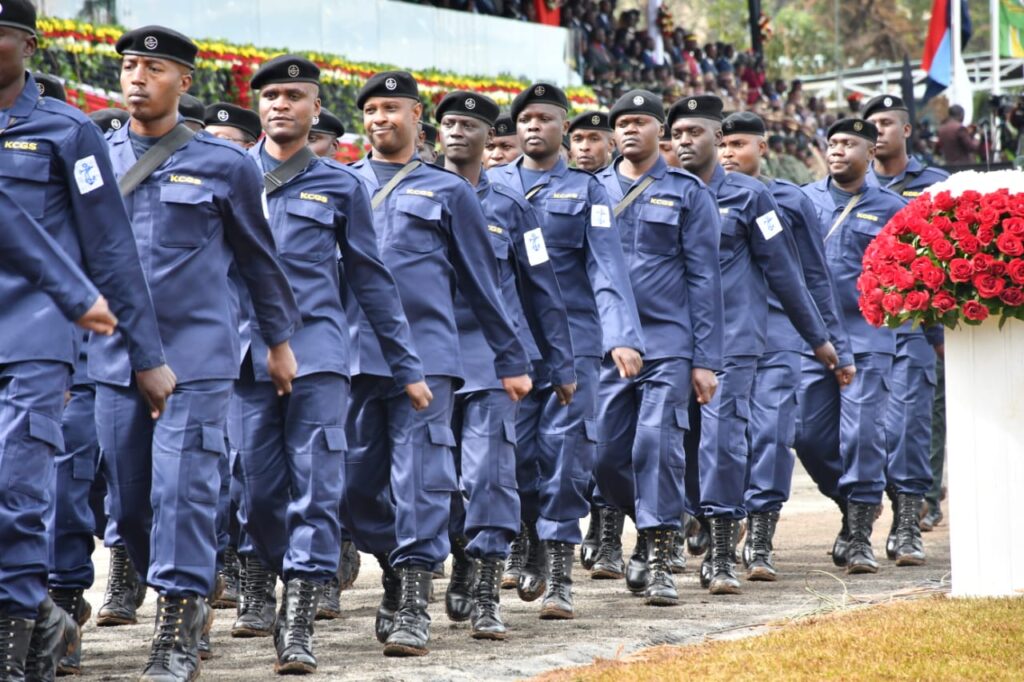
column 761, row 574
column 294, row 668
column 605, row 573
column 224, row 603
column 718, row 588
column 249, row 633
column 484, row 634
column 509, row 581
column 327, row 614
column 404, row 651
column 551, row 612
column 68, row 671
column 111, row 620
column 909, row 560
column 532, row 595
column 861, row 569
column 661, row 600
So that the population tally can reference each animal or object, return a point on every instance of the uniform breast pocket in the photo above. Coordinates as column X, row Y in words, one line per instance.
column 566, row 223
column 24, row 176
column 308, row 234
column 187, row 220
column 417, row 225
column 500, row 244
column 658, row 230
column 858, row 236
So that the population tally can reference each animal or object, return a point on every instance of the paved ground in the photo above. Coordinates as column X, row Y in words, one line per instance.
column 609, row 621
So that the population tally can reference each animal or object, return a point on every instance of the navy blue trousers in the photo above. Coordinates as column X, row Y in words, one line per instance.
column 773, row 408
column 908, row 421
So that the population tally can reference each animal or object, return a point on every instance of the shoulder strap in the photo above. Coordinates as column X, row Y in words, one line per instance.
column 633, row 195
column 842, row 216
column 380, row 196
column 154, row 158
column 280, row 176
column 902, row 184
column 533, row 192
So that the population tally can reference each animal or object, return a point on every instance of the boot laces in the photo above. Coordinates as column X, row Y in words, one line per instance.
column 7, row 627
column 170, row 619
column 610, row 539
column 254, row 581
column 908, row 529
column 301, row 614
column 723, row 545
column 486, row 587
column 660, row 550
column 516, row 552
column 860, row 518
column 760, row 534
column 118, row 578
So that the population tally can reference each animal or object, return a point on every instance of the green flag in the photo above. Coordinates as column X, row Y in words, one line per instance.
column 1011, row 28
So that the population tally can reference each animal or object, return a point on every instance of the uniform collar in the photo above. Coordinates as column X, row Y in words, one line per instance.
column 484, row 183
column 256, row 150
column 27, row 100
column 717, row 178
column 657, row 171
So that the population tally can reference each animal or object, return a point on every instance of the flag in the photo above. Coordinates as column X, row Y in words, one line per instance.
column 907, row 91
column 548, row 12
column 1011, row 28
column 938, row 54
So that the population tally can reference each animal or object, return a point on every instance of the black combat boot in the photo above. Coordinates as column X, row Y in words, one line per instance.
column 485, row 620
column 174, row 652
column 412, row 622
column 636, row 569
column 515, row 560
column 55, row 636
column 125, row 591
column 348, row 565
column 294, row 640
column 532, row 579
column 677, row 559
column 330, row 601
column 458, row 598
column 257, row 601
column 608, row 564
column 758, row 550
column 74, row 603
column 842, row 543
column 384, row 622
column 228, row 599
column 660, row 587
column 909, row 545
column 698, row 536
column 860, row 558
column 890, row 539
column 720, row 576
column 15, row 640
column 591, row 541
column 557, row 604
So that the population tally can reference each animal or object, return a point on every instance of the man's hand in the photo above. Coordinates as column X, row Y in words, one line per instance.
column 704, row 384
column 419, row 395
column 628, row 361
column 517, row 387
column 844, row 375
column 940, row 350
column 282, row 367
column 565, row 392
column 156, row 386
column 98, row 319
column 826, row 355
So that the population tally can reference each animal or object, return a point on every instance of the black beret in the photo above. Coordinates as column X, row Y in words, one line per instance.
column 504, row 126
column 429, row 133
column 234, row 116
column 591, row 120
column 286, row 68
column 328, row 123
column 697, row 106
column 50, row 86
column 854, row 126
column 776, row 139
column 109, row 119
column 466, row 103
column 743, row 122
column 389, row 84
column 191, row 109
column 19, row 14
column 638, row 102
column 566, row 142
column 543, row 93
column 160, row 42
column 882, row 103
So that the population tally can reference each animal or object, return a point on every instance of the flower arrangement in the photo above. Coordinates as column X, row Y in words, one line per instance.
column 956, row 253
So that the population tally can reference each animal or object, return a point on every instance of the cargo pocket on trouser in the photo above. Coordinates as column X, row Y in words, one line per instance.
column 27, row 462
column 202, row 476
column 585, row 455
column 506, row 460
column 436, row 461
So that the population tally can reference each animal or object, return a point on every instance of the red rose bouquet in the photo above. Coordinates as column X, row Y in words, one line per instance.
column 954, row 253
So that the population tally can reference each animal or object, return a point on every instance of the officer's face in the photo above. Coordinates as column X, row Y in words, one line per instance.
column 540, row 128
column 151, row 86
column 636, row 136
column 668, row 152
column 696, row 141
column 742, row 153
column 463, row 138
column 323, row 144
column 848, row 157
column 287, row 110
column 231, row 134
column 590, row 149
column 16, row 46
column 501, row 150
column 893, row 131
column 392, row 123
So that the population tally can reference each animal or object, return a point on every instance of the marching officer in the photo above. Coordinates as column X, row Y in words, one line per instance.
column 556, row 443
column 909, row 418
column 197, row 210
column 399, row 470
column 590, row 141
column 756, row 254
column 773, row 400
column 428, row 142
column 503, row 146
column 841, row 439
column 233, row 123
column 325, row 134
column 668, row 222
column 56, row 172
column 485, row 524
column 193, row 112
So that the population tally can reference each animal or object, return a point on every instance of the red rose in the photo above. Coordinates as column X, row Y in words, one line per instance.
column 933, row 278
column 874, row 296
column 916, row 300
column 971, row 197
column 887, row 275
column 1013, row 296
column 943, row 301
column 1014, row 226
column 999, row 200
column 943, row 223
column 973, row 310
column 998, row 268
column 943, row 201
column 961, row 230
column 986, row 235
column 892, row 303
column 866, row 282
column 960, row 270
column 904, row 253
column 930, row 235
column 943, row 249
column 965, row 212
column 988, row 216
column 921, row 265
column 873, row 314
column 1010, row 245
column 988, row 286
column 904, row 279
column 1015, row 269
column 982, row 262
column 969, row 244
